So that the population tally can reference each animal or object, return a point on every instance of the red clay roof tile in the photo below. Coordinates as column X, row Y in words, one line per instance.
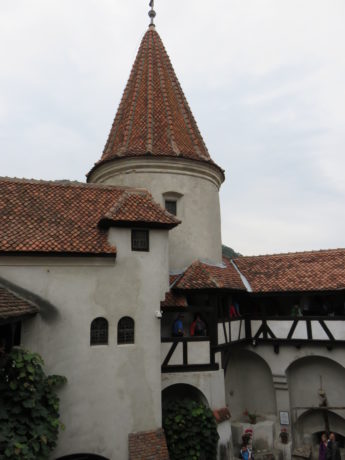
column 139, row 208
column 148, row 445
column 63, row 217
column 13, row 306
column 200, row 275
column 154, row 118
column 174, row 300
column 301, row 271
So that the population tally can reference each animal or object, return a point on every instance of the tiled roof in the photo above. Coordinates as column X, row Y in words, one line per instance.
column 300, row 271
column 148, row 445
column 174, row 300
column 63, row 217
column 154, row 118
column 138, row 208
column 201, row 275
column 12, row 306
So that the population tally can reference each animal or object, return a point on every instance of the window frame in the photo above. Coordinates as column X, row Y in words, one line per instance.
column 126, row 331
column 171, row 201
column 98, row 331
column 147, row 232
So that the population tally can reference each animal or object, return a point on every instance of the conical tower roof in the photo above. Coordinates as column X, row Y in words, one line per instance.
column 154, row 118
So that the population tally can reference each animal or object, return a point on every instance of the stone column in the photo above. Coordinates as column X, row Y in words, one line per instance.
column 283, row 405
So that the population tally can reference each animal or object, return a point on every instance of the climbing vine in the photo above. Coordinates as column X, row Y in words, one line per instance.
column 191, row 430
column 29, row 407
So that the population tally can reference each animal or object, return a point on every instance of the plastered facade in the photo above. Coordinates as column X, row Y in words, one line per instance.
column 112, row 389
column 196, row 187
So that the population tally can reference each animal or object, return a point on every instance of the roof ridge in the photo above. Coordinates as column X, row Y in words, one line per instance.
column 279, row 254
column 68, row 183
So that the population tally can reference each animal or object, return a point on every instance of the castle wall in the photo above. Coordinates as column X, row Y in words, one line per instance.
column 112, row 389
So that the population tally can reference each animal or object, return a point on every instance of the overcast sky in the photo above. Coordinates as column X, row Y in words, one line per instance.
column 265, row 80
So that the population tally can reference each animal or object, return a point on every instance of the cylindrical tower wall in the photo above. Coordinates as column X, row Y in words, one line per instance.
column 194, row 186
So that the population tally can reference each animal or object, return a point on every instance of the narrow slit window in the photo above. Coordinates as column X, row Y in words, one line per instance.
column 125, row 331
column 171, row 206
column 140, row 240
column 99, row 332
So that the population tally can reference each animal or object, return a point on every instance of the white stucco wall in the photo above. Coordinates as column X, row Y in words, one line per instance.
column 112, row 390
column 199, row 235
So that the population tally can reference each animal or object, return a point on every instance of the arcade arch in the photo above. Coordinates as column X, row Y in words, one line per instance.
column 316, row 397
column 249, row 385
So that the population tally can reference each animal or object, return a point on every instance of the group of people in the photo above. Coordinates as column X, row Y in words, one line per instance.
column 197, row 328
column 329, row 448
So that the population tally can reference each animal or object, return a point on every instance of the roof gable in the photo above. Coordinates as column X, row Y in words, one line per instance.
column 201, row 275
column 138, row 208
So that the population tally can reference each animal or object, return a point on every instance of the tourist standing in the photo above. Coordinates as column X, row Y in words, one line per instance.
column 323, row 447
column 333, row 451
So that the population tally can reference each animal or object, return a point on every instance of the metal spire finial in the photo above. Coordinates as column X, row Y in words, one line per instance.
column 152, row 13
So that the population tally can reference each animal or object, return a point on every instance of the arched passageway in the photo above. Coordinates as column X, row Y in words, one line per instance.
column 249, row 385
column 181, row 391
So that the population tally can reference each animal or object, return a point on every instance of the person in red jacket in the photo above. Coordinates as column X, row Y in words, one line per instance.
column 198, row 327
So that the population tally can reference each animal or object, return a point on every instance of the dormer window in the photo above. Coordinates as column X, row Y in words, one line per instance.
column 140, row 240
column 171, row 206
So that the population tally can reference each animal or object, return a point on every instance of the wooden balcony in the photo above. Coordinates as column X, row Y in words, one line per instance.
column 281, row 330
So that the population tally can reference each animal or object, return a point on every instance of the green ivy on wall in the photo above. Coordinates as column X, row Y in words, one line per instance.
column 29, row 407
column 191, row 430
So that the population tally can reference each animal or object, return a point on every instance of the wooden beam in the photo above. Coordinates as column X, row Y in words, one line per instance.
column 325, row 328
column 292, row 330
column 170, row 353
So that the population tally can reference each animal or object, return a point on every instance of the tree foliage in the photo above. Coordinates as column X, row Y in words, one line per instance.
column 191, row 430
column 29, row 407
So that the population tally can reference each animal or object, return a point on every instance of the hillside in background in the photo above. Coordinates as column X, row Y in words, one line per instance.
column 229, row 252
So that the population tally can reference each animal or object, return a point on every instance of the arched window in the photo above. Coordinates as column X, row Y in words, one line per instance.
column 125, row 330
column 99, row 332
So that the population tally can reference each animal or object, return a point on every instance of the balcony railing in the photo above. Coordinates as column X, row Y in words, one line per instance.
column 186, row 354
column 282, row 329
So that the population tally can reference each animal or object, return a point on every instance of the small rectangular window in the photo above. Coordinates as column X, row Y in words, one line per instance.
column 140, row 240
column 171, row 206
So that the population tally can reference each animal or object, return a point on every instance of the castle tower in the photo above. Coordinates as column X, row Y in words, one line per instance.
column 154, row 143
